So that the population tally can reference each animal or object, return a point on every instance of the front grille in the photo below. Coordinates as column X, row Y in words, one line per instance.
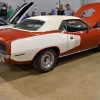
column 2, row 47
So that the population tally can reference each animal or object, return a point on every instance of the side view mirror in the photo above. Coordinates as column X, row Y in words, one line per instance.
column 87, row 29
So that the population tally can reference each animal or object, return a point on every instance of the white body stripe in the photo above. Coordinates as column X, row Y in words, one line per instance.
column 29, row 47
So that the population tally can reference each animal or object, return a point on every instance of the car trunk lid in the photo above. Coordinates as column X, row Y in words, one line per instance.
column 94, row 18
column 13, row 34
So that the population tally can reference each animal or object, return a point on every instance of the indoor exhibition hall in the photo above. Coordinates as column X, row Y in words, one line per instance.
column 49, row 49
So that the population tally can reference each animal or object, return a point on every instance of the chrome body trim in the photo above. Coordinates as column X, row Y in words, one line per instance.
column 4, row 55
column 78, row 52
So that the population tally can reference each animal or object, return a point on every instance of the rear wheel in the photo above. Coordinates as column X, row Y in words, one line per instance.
column 45, row 61
column 99, row 47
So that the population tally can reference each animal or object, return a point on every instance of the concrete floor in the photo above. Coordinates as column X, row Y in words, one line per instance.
column 76, row 77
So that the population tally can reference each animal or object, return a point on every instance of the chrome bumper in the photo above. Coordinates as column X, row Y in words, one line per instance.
column 4, row 55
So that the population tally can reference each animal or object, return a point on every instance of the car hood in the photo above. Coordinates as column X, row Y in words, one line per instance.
column 7, row 26
column 21, row 12
column 94, row 18
column 13, row 34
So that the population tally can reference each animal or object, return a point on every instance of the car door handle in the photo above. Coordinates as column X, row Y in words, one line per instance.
column 71, row 37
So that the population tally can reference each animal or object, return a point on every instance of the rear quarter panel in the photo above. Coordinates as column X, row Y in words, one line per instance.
column 29, row 47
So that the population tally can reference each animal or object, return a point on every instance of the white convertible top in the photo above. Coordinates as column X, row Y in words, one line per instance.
column 52, row 17
column 51, row 22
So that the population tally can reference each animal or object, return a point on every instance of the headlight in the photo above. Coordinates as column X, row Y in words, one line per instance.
column 2, row 47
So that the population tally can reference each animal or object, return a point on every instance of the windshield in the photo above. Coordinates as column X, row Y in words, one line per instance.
column 29, row 24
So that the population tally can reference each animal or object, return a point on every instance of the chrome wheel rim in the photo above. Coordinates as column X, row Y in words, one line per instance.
column 47, row 60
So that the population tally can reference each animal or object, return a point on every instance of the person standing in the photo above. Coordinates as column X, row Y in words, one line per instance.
column 53, row 12
column 44, row 13
column 10, row 12
column 0, row 11
column 68, row 11
column 25, row 17
column 61, row 10
column 33, row 14
column 3, row 12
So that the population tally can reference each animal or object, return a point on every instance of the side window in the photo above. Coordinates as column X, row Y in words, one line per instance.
column 62, row 26
column 75, row 25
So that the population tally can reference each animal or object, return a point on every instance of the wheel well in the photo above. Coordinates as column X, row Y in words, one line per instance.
column 56, row 49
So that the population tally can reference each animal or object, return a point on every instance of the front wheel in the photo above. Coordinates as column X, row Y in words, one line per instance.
column 45, row 61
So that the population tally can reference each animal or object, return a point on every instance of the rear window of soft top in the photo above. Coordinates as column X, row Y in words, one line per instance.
column 29, row 24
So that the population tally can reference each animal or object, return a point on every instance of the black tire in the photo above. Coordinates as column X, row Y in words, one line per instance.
column 45, row 61
column 99, row 47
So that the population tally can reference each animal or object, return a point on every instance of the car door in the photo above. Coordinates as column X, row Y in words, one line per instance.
column 80, row 33
column 21, row 12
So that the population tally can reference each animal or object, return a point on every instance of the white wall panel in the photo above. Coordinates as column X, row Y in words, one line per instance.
column 96, row 0
column 88, row 1
column 76, row 4
column 42, row 5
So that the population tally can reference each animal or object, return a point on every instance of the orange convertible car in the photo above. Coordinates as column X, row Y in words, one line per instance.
column 41, row 40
